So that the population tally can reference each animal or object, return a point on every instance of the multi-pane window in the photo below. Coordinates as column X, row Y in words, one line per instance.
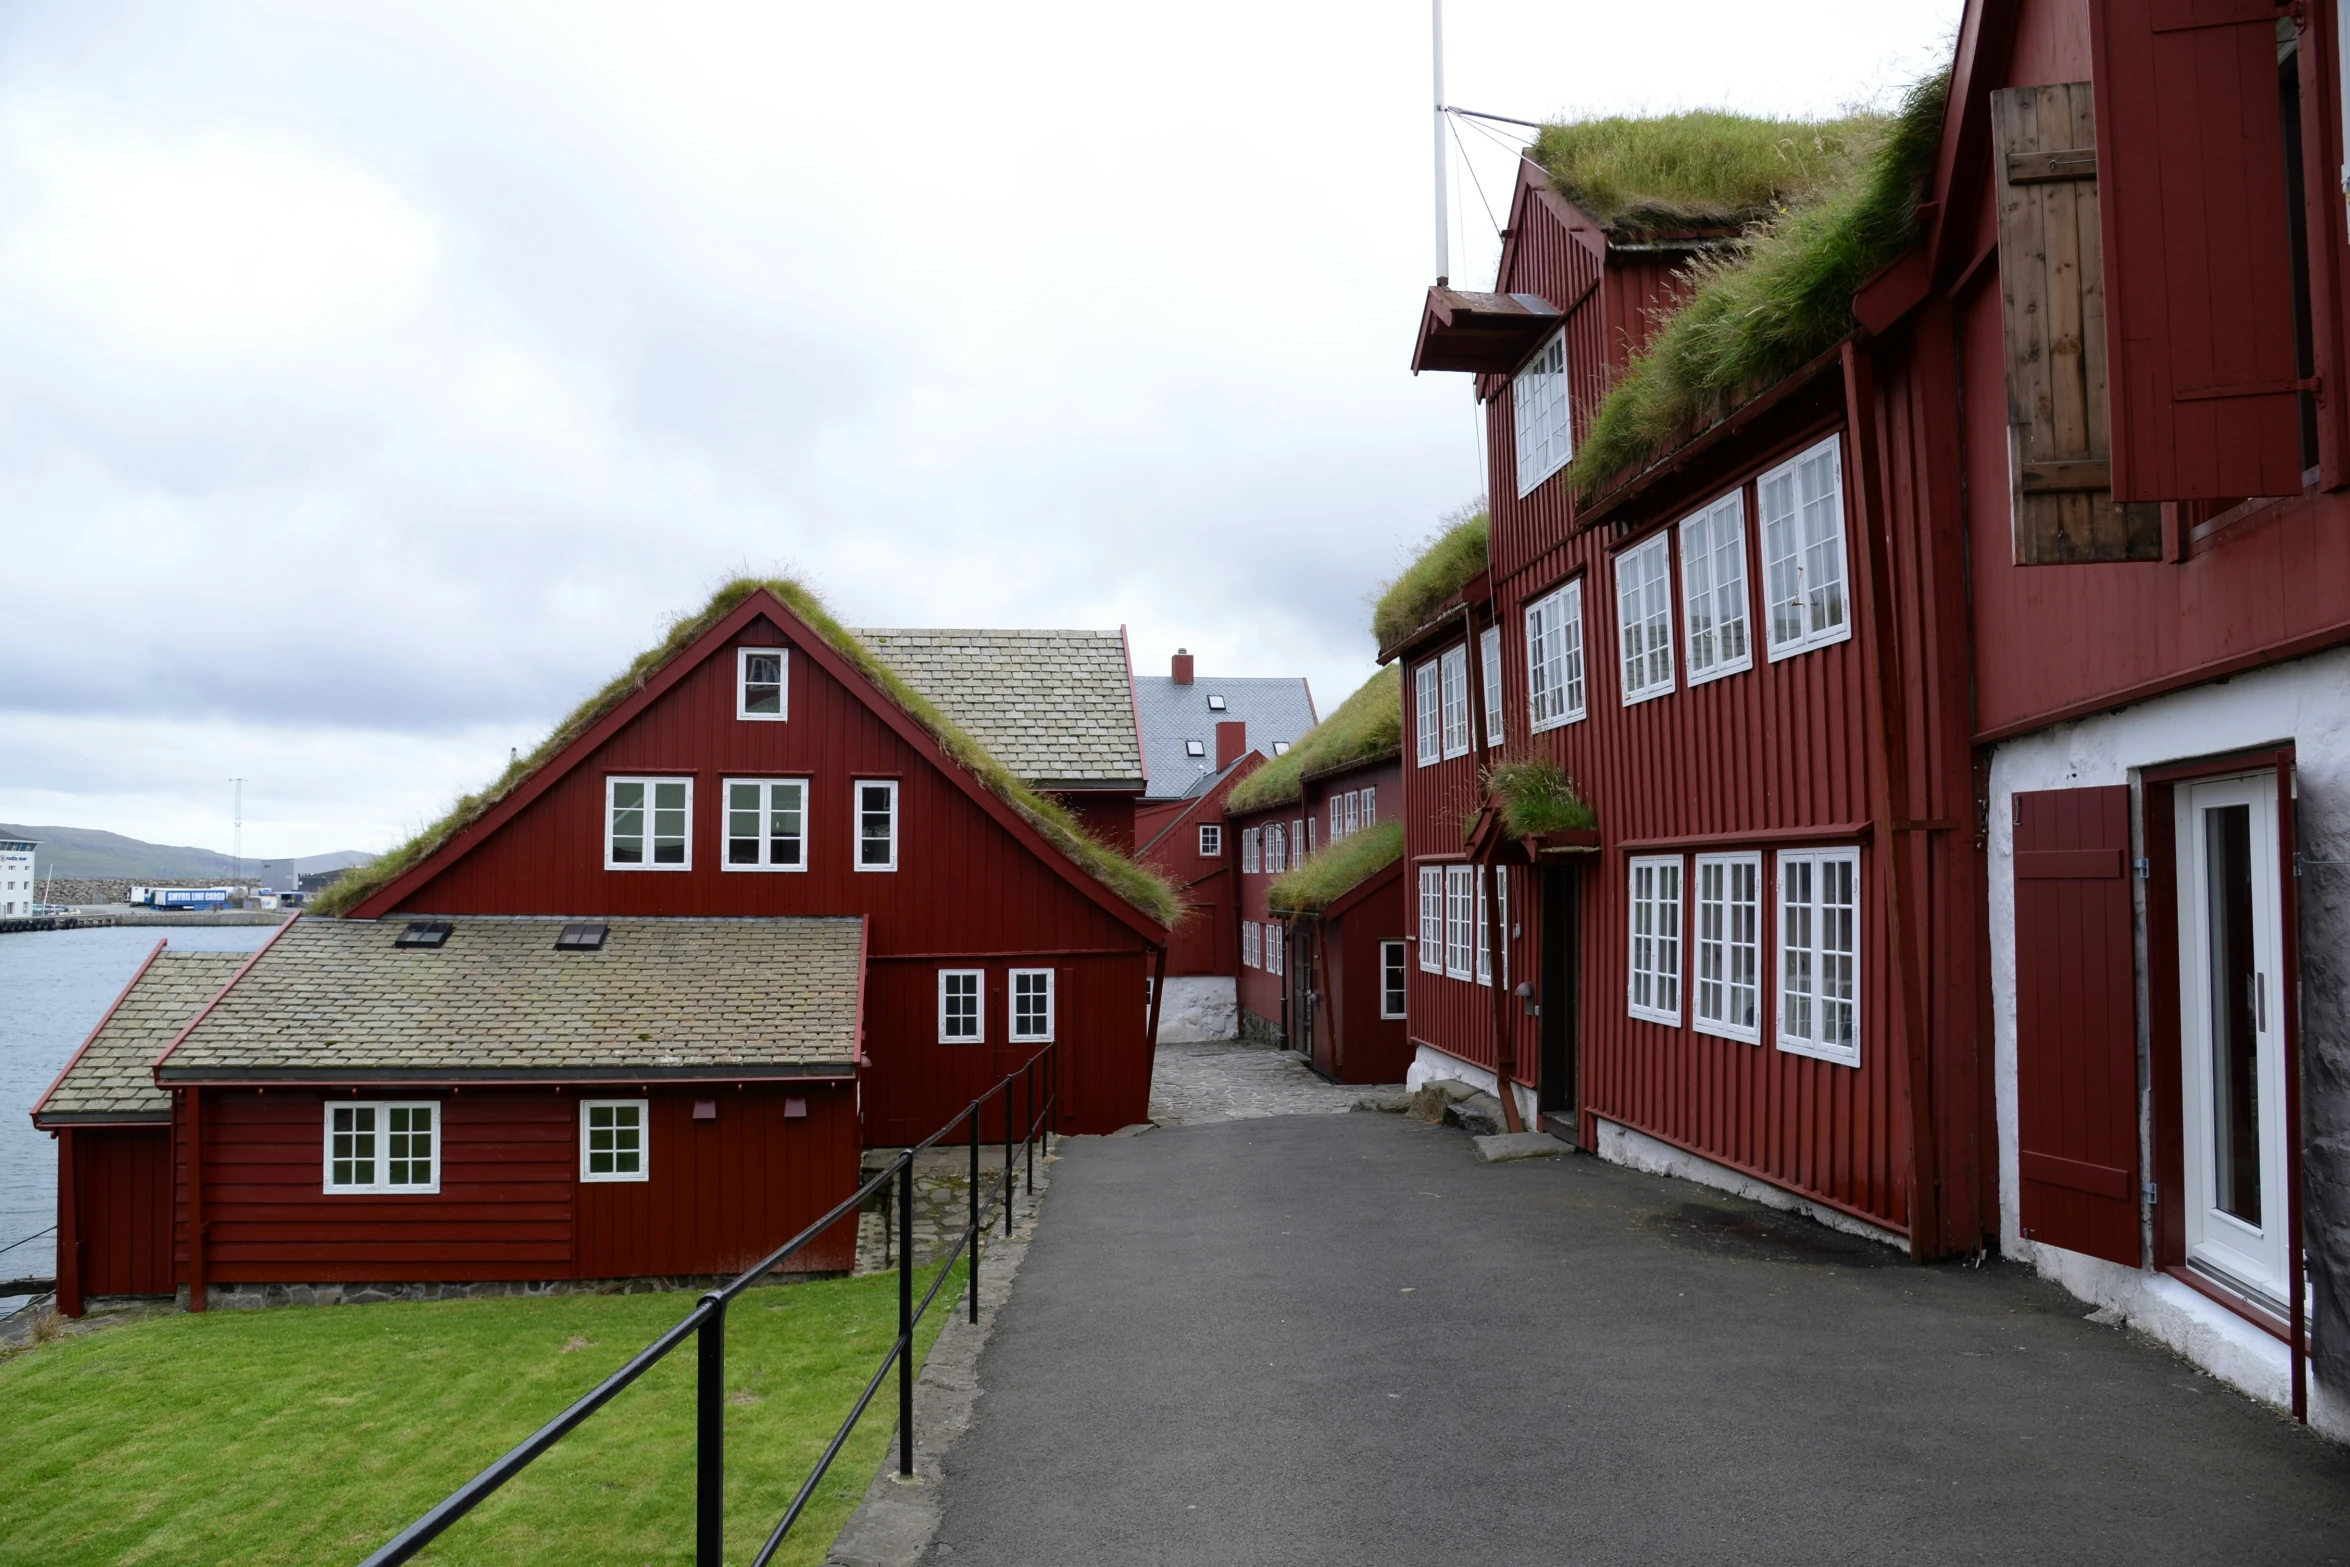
column 1432, row 918
column 1819, row 954
column 1337, row 817
column 1726, row 992
column 1370, row 806
column 1803, row 550
column 612, row 1140
column 1032, row 1005
column 1554, row 658
column 1249, row 948
column 1391, row 970
column 1460, row 921
column 1301, row 838
column 766, row 824
column 1713, row 589
column 761, row 688
column 1354, row 812
column 1655, row 990
column 1489, row 656
column 646, row 822
column 1644, row 618
column 1538, row 403
column 1427, row 714
column 1455, row 664
column 379, row 1147
column 1273, row 953
column 1211, row 839
column 961, row 1017
column 877, row 824
column 1249, row 863
column 1276, row 849
column 1501, row 882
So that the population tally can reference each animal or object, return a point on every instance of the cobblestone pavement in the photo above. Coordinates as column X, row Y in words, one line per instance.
column 942, row 1203
column 1229, row 1080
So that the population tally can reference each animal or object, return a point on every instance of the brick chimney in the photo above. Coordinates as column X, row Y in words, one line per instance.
column 1231, row 742
column 1182, row 667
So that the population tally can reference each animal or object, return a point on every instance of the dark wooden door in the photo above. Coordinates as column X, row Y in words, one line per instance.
column 1560, row 997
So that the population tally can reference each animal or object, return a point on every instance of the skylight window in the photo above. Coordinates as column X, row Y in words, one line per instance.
column 424, row 933
column 581, row 936
column 1195, row 748
column 1216, row 704
column 1280, row 748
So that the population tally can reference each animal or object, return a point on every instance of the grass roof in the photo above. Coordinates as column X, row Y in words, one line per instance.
column 1537, row 797
column 1703, row 169
column 1452, row 555
column 1367, row 724
column 1330, row 874
column 1148, row 891
column 1781, row 300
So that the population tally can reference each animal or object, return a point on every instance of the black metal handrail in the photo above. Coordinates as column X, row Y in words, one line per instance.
column 706, row 1323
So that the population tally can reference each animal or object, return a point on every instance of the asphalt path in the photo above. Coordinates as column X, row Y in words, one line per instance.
column 1340, row 1339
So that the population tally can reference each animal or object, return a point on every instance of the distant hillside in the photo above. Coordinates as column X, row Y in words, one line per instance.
column 86, row 852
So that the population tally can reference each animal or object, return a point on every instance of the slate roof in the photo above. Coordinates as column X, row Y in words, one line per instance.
column 1053, row 706
column 1275, row 710
column 111, row 1078
column 333, row 1000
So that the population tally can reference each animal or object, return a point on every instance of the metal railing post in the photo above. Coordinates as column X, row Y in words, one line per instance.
column 974, row 1230
column 1028, row 1121
column 710, row 1439
column 1011, row 1183
column 906, row 1317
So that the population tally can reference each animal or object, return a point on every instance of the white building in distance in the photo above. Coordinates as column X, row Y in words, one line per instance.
column 16, row 875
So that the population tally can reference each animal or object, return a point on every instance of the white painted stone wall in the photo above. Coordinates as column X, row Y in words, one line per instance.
column 2308, row 703
column 1430, row 1065
column 1199, row 1009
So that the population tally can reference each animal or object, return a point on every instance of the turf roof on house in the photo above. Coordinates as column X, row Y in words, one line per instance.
column 1145, row 889
column 1331, row 873
column 1453, row 555
column 1367, row 724
column 1699, row 170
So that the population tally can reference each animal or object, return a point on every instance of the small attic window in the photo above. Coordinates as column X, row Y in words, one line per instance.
column 1195, row 748
column 1216, row 704
column 761, row 688
column 581, row 937
column 424, row 933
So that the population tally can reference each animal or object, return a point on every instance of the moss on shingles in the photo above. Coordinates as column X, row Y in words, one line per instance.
column 1537, row 797
column 1148, row 891
column 1367, row 724
column 1332, row 873
column 1454, row 554
column 1783, row 299
column 1703, row 169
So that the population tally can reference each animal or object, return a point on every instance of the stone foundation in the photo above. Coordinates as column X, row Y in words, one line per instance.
column 261, row 1297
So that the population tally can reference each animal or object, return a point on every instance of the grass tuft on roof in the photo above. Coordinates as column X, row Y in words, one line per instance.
column 1537, row 798
column 1330, row 874
column 1137, row 884
column 1451, row 556
column 1782, row 299
column 1367, row 724
column 1703, row 169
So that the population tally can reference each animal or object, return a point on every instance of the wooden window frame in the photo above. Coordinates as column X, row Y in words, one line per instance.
column 1337, row 817
column 649, row 838
column 1547, row 706
column 1728, row 864
column 1798, row 1044
column 1501, row 891
column 1489, row 656
column 1812, row 637
column 1702, row 552
column 644, row 1141
column 1394, row 979
column 1541, row 420
column 1428, row 713
column 766, row 810
column 1656, row 549
column 978, row 998
column 1248, row 944
column 742, row 685
column 1275, row 955
column 1211, row 840
column 1370, row 793
column 1051, row 1006
column 1276, row 849
column 1656, row 940
column 1249, row 862
column 1432, row 929
column 857, row 822
column 383, row 1185
column 1453, row 684
column 1460, row 918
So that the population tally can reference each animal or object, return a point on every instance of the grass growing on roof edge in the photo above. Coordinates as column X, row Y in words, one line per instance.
column 1537, row 797
column 1703, row 168
column 1331, row 873
column 1452, row 555
column 1781, row 301
column 1137, row 884
column 1364, row 725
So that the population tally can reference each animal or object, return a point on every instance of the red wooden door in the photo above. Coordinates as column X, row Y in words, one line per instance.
column 2076, row 1022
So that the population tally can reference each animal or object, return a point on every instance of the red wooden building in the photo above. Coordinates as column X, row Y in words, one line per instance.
column 1962, row 710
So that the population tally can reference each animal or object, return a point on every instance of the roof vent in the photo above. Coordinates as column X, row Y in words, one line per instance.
column 1215, row 704
column 581, row 936
column 424, row 933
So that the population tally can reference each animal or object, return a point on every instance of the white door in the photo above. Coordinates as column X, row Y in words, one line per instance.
column 2232, row 1030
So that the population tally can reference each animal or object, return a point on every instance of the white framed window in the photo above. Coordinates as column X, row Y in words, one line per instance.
column 1713, row 589
column 1301, row 840
column 1554, row 658
column 1644, row 618
column 1802, row 502
column 877, row 824
column 1391, row 980
column 1501, row 883
column 1249, row 863
column 1354, row 812
column 962, row 1009
column 1032, row 1006
column 1655, row 990
column 1370, row 806
column 1538, row 408
column 612, row 1140
column 766, row 824
column 648, row 824
column 1276, row 849
column 1427, row 714
column 383, row 1146
column 762, row 684
column 1726, row 993
column 1455, row 665
column 1432, row 919
column 1337, row 817
column 1460, row 921
column 1211, row 839
column 1819, row 954
column 1249, row 948
column 1489, row 655
column 1273, row 953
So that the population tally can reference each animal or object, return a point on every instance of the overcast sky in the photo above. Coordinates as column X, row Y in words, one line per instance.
column 374, row 382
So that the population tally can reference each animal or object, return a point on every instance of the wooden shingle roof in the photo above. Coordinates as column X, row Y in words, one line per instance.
column 111, row 1079
column 338, row 1001
column 1056, row 707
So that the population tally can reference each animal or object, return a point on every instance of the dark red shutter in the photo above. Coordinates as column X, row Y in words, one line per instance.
column 2198, row 251
column 2076, row 1022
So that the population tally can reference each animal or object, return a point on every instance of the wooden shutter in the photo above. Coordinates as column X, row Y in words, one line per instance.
column 2076, row 1022
column 2052, row 286
column 2198, row 249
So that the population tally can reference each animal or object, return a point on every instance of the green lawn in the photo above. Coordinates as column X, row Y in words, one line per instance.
column 313, row 1434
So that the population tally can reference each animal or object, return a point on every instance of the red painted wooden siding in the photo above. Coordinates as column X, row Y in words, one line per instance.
column 2076, row 1022
column 124, row 1217
column 1362, row 1046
